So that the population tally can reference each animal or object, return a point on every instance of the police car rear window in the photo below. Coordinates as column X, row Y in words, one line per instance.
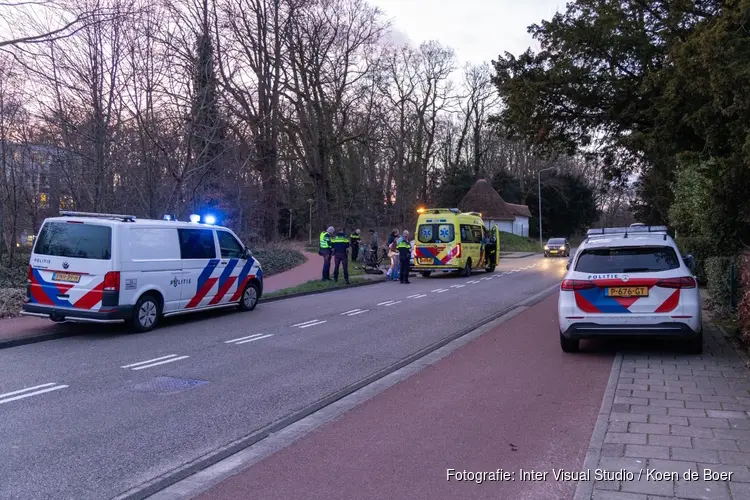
column 435, row 233
column 75, row 240
column 627, row 260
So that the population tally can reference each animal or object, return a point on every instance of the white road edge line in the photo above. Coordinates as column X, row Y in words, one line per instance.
column 385, row 303
column 393, row 303
column 35, row 393
column 358, row 312
column 242, row 338
column 352, row 311
column 160, row 363
column 25, row 390
column 305, row 323
column 148, row 361
column 256, row 338
column 313, row 324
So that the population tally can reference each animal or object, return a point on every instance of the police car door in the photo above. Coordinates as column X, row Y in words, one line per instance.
column 199, row 266
column 234, row 268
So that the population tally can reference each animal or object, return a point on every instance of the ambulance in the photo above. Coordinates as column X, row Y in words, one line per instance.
column 449, row 240
column 110, row 268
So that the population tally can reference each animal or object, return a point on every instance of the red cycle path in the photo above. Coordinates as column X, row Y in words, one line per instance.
column 27, row 326
column 509, row 400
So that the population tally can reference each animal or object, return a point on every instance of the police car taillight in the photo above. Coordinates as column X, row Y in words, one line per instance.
column 29, row 274
column 112, row 281
column 571, row 285
column 683, row 282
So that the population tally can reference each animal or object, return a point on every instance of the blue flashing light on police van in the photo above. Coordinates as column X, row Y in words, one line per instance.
column 167, row 217
column 195, row 218
column 210, row 219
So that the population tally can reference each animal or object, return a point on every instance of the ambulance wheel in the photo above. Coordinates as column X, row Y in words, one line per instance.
column 146, row 313
column 426, row 274
column 249, row 297
column 568, row 345
column 490, row 269
column 467, row 269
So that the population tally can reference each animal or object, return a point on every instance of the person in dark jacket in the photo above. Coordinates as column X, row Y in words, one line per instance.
column 325, row 251
column 340, row 246
column 355, row 237
column 404, row 254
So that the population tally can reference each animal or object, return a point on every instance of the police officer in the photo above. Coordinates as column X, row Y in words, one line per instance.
column 404, row 254
column 355, row 244
column 325, row 251
column 340, row 246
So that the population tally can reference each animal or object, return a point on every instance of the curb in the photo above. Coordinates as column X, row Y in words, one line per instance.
column 178, row 474
column 585, row 489
column 45, row 337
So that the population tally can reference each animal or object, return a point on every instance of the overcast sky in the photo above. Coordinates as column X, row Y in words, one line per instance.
column 478, row 30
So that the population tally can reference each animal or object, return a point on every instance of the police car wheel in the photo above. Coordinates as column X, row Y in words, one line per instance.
column 249, row 297
column 568, row 345
column 146, row 314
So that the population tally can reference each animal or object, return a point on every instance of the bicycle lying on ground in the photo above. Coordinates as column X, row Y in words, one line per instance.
column 372, row 262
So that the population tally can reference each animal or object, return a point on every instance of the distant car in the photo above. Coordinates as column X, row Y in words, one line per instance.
column 630, row 282
column 559, row 247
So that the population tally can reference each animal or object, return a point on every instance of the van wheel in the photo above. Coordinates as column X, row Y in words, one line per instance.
column 426, row 274
column 249, row 297
column 568, row 345
column 467, row 269
column 146, row 313
column 490, row 269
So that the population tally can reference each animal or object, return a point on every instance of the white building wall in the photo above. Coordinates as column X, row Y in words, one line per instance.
column 521, row 226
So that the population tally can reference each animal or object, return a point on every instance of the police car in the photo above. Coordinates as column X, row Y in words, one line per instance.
column 109, row 268
column 630, row 281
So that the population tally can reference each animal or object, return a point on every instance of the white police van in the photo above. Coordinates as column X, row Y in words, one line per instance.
column 109, row 268
column 630, row 281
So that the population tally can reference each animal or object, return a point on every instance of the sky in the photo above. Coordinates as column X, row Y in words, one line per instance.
column 477, row 30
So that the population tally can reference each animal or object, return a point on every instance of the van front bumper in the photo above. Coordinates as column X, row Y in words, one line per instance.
column 116, row 314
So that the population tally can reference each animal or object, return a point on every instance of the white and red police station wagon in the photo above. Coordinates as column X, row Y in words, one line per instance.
column 630, row 281
column 109, row 268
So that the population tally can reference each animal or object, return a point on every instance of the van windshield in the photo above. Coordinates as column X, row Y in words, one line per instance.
column 627, row 260
column 75, row 240
column 435, row 233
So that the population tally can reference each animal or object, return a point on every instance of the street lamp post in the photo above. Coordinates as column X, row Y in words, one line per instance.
column 541, row 241
column 309, row 239
column 290, row 223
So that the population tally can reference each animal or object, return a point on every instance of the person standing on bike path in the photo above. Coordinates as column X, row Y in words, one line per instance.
column 325, row 251
column 404, row 253
column 393, row 255
column 355, row 237
column 340, row 246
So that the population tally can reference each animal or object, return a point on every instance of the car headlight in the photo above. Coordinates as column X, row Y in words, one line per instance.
column 546, row 247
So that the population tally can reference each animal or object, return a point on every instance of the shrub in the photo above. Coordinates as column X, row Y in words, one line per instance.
column 278, row 260
column 14, row 276
column 701, row 251
column 718, row 276
column 743, row 309
column 11, row 300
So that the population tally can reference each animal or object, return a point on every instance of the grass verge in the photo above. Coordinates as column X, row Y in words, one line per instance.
column 514, row 243
column 311, row 286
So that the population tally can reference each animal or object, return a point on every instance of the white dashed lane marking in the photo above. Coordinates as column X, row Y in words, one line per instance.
column 457, row 286
column 308, row 324
column 250, row 338
column 393, row 303
column 30, row 391
column 473, row 281
column 486, row 279
column 154, row 362
column 356, row 312
column 418, row 296
column 387, row 302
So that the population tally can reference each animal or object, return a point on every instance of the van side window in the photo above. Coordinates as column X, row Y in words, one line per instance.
column 197, row 243
column 478, row 234
column 471, row 234
column 230, row 247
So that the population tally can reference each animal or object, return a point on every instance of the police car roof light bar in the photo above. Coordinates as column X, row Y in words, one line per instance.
column 125, row 218
column 603, row 231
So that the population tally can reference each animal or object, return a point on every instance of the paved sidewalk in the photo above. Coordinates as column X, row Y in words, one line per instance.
column 27, row 327
column 674, row 413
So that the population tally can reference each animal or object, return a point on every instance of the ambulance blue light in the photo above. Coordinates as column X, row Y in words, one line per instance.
column 210, row 219
column 195, row 218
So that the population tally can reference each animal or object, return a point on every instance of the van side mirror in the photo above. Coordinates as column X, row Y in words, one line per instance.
column 690, row 262
column 247, row 254
column 567, row 266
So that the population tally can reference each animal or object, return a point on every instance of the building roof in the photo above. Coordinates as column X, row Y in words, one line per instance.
column 520, row 210
column 483, row 198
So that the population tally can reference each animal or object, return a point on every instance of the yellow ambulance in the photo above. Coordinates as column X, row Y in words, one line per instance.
column 450, row 240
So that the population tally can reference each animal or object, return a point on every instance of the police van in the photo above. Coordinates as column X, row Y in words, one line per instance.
column 450, row 240
column 109, row 268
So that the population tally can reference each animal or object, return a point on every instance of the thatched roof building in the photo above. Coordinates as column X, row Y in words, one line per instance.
column 483, row 198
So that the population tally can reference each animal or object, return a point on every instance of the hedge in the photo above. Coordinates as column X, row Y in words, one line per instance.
column 718, row 276
column 11, row 300
column 743, row 310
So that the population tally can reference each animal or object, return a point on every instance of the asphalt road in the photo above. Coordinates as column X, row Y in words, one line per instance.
column 100, row 424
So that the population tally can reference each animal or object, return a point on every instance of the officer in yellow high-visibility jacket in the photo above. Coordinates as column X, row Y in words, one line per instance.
column 403, row 246
column 326, row 250
column 355, row 237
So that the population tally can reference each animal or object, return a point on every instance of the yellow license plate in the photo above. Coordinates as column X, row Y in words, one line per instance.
column 69, row 277
column 425, row 261
column 627, row 291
